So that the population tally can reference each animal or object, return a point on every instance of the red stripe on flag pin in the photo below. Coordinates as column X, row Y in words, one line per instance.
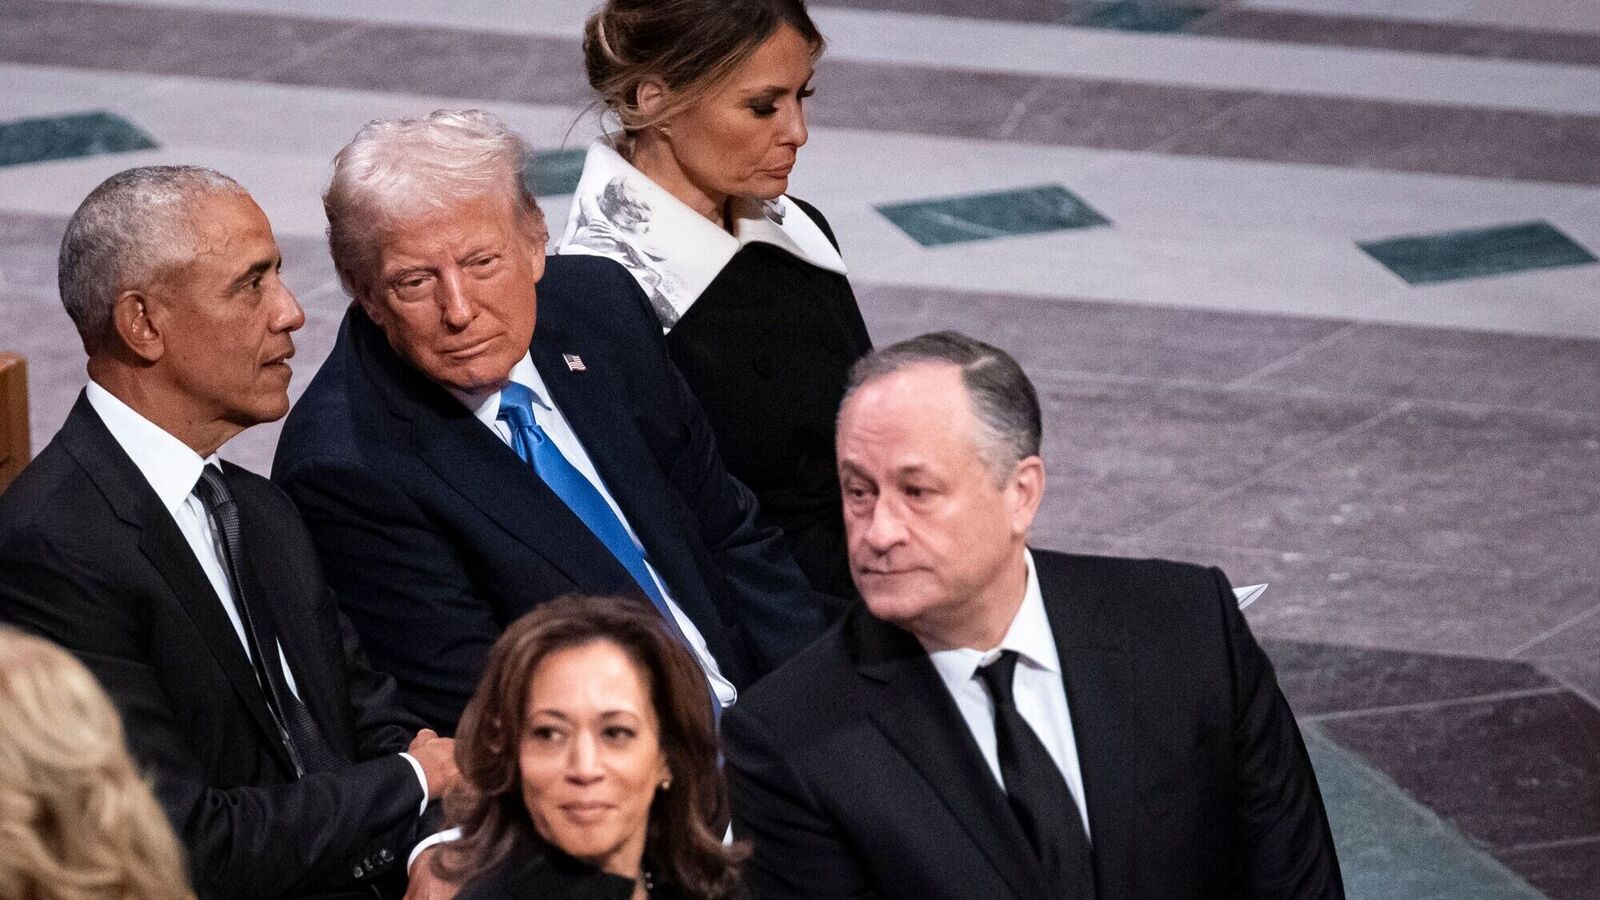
column 574, row 362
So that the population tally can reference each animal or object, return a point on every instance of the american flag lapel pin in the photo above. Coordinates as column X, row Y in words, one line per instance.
column 574, row 362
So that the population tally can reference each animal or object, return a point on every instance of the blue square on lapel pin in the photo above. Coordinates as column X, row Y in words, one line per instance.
column 979, row 217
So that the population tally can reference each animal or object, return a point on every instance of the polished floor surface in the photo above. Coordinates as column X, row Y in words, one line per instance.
column 1309, row 287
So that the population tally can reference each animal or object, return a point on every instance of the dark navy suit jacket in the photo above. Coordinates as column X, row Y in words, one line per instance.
column 437, row 535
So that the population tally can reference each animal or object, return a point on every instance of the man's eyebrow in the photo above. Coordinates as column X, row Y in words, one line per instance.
column 260, row 268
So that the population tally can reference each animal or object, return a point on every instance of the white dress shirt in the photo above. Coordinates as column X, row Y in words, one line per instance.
column 172, row 468
column 1040, row 692
column 486, row 407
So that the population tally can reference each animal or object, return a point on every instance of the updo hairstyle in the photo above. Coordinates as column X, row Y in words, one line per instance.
column 690, row 45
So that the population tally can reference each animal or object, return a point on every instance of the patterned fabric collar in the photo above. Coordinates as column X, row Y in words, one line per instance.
column 673, row 252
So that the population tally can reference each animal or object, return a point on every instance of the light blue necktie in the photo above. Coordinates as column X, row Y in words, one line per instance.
column 580, row 495
column 585, row 501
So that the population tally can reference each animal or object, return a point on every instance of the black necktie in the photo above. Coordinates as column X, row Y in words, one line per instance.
column 308, row 747
column 1037, row 791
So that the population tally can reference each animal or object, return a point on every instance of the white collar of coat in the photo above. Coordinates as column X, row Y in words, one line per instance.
column 674, row 252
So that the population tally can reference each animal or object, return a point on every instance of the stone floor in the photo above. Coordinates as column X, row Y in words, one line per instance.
column 1309, row 288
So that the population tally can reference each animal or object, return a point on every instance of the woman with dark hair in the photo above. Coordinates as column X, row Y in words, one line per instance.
column 747, row 282
column 589, row 765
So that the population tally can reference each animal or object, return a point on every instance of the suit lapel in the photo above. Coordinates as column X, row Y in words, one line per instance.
column 131, row 497
column 491, row 476
column 1099, row 679
column 482, row 468
column 279, row 597
column 919, row 717
column 592, row 407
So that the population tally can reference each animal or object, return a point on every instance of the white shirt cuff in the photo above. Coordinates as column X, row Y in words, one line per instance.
column 443, row 837
column 422, row 779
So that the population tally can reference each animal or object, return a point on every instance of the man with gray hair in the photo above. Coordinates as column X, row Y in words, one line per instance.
column 457, row 468
column 997, row 721
column 187, row 585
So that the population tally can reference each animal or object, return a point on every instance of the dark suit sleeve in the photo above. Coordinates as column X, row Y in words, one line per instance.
column 379, row 720
column 796, row 852
column 775, row 607
column 1290, row 847
column 778, row 611
column 243, row 842
column 401, row 582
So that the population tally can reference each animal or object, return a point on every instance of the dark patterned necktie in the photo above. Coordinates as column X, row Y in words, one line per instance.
column 1038, row 793
column 308, row 747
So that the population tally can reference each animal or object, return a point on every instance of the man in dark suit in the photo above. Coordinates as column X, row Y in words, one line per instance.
column 1000, row 722
column 189, row 586
column 457, row 470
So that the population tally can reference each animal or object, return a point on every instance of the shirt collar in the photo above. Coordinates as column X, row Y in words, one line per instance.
column 485, row 405
column 1029, row 635
column 168, row 464
column 671, row 250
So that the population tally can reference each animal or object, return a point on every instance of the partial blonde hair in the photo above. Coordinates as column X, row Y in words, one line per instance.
column 76, row 820
column 397, row 170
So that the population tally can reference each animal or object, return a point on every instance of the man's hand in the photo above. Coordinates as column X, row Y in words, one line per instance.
column 424, row 884
column 437, row 756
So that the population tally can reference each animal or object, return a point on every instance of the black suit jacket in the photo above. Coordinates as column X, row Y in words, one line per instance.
column 437, row 535
column 856, row 776
column 766, row 349
column 90, row 559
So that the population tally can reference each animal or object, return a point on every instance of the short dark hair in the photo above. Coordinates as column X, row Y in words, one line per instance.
column 133, row 228
column 1003, row 399
column 684, row 843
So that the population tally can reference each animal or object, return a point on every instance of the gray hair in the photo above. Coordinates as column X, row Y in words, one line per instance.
column 397, row 169
column 1004, row 401
column 132, row 229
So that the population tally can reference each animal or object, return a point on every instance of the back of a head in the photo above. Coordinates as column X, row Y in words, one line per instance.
column 76, row 820
column 687, row 44
column 134, row 227
column 399, row 169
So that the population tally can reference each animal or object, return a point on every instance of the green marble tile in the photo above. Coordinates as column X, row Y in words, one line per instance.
column 978, row 217
column 68, row 137
column 1393, row 848
column 1475, row 253
column 552, row 172
column 1137, row 15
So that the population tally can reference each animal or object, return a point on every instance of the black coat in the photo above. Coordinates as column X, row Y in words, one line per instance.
column 855, row 775
column 90, row 559
column 555, row 876
column 437, row 535
column 766, row 349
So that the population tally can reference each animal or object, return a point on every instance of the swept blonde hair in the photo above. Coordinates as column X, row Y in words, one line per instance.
column 76, row 820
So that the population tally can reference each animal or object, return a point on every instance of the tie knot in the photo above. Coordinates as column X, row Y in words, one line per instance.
column 516, row 405
column 998, row 676
column 211, row 489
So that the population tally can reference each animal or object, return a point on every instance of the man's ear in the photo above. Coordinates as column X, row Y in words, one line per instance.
column 1026, row 491
column 137, row 323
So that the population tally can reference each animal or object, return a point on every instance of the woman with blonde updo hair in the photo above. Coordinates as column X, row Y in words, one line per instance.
column 688, row 192
column 76, row 820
